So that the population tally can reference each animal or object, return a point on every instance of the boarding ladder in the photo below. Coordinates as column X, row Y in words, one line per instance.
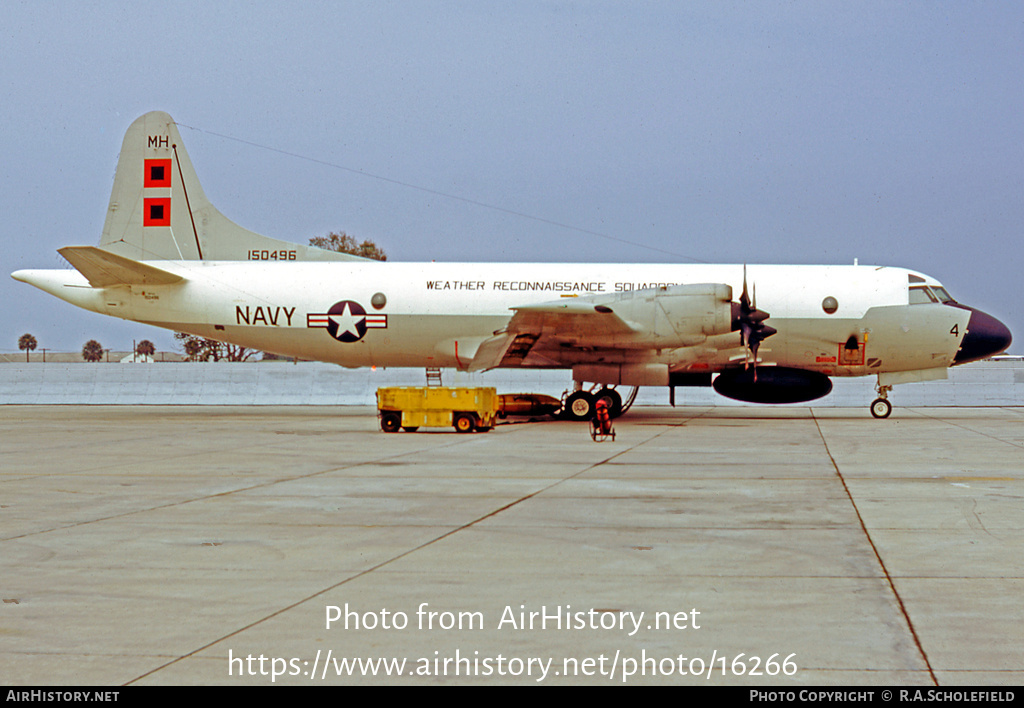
column 434, row 376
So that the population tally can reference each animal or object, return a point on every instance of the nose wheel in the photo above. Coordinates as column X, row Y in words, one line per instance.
column 880, row 407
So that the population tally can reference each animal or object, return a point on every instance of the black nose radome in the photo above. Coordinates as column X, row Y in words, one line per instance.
column 985, row 337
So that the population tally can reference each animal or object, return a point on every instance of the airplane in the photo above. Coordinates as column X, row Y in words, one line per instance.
column 167, row 257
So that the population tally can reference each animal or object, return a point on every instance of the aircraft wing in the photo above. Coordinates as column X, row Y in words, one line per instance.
column 571, row 330
column 569, row 318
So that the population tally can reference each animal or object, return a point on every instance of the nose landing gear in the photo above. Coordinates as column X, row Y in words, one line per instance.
column 880, row 407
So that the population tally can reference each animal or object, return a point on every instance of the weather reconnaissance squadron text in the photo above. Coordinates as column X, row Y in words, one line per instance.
column 618, row 665
column 572, row 287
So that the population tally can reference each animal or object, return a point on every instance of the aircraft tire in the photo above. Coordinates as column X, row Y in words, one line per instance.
column 390, row 421
column 579, row 406
column 881, row 408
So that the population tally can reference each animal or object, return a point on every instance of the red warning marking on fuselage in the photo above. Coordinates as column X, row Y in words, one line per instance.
column 852, row 357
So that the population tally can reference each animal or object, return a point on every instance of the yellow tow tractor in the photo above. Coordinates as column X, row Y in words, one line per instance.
column 412, row 407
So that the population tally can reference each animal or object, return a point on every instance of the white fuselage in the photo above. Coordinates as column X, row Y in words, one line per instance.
column 438, row 314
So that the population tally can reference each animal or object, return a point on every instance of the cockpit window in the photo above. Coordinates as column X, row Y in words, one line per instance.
column 920, row 294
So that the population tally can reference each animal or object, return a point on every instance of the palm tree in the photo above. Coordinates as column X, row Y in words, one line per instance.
column 27, row 343
column 145, row 348
column 92, row 351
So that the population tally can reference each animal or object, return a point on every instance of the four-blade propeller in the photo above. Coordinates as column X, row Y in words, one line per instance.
column 750, row 322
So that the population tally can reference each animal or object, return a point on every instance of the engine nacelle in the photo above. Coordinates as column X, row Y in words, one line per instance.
column 676, row 315
column 773, row 384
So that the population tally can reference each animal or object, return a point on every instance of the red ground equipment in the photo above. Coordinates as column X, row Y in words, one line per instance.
column 601, row 424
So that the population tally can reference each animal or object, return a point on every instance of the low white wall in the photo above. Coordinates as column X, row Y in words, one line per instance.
column 990, row 383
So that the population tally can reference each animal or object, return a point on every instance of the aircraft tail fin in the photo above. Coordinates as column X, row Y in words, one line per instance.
column 158, row 210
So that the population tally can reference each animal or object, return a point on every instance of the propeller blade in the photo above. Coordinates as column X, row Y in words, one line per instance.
column 744, row 298
column 750, row 322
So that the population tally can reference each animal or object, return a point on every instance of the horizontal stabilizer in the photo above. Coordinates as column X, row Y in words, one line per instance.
column 103, row 269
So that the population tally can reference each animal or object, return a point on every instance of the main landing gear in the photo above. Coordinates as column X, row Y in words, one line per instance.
column 880, row 407
column 580, row 405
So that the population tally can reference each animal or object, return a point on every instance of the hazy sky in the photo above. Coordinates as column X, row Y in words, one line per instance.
column 761, row 132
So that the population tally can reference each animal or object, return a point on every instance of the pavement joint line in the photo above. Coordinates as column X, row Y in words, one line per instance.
column 229, row 492
column 878, row 556
column 970, row 430
column 408, row 552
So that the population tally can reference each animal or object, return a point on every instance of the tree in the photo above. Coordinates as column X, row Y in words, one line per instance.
column 343, row 243
column 27, row 343
column 145, row 348
column 92, row 351
column 205, row 349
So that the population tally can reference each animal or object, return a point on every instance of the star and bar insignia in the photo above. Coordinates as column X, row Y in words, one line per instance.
column 347, row 321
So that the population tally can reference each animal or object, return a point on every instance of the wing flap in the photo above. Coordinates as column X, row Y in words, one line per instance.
column 104, row 269
column 490, row 352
